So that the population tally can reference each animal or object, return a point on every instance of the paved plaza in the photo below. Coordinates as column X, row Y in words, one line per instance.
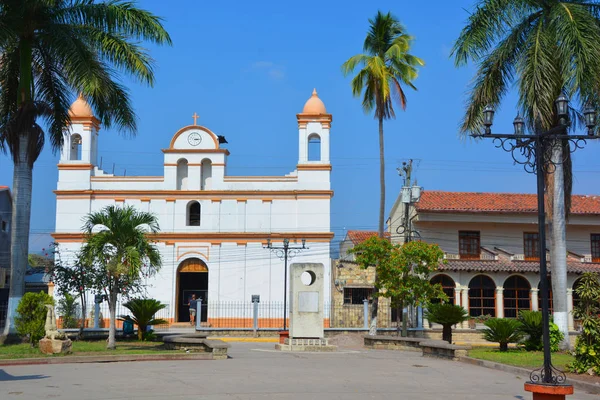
column 256, row 372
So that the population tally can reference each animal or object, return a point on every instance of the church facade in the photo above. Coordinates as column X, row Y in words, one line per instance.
column 213, row 227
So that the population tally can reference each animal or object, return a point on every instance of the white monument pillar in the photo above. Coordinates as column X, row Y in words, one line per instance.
column 465, row 303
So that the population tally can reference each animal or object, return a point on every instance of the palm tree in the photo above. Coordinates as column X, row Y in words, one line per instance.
column 143, row 311
column 48, row 50
column 546, row 47
column 447, row 315
column 118, row 245
column 385, row 67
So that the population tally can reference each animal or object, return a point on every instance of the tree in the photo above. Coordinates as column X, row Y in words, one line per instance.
column 385, row 67
column 546, row 47
column 120, row 253
column 587, row 309
column 503, row 331
column 143, row 311
column 48, row 50
column 447, row 315
column 69, row 310
column 71, row 275
column 403, row 271
column 30, row 320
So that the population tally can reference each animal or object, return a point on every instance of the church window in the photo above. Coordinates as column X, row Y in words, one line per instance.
column 206, row 173
column 193, row 214
column 314, row 147
column 75, row 147
column 182, row 174
column 4, row 225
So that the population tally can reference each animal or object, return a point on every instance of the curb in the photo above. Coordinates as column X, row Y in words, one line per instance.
column 586, row 386
column 105, row 359
column 246, row 339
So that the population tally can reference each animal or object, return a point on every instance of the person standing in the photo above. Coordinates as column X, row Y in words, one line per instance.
column 193, row 305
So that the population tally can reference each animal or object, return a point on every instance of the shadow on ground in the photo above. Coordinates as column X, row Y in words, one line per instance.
column 5, row 377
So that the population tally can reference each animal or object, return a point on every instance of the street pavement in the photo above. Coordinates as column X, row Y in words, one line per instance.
column 256, row 371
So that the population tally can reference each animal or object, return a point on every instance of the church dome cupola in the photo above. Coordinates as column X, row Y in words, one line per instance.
column 80, row 108
column 314, row 105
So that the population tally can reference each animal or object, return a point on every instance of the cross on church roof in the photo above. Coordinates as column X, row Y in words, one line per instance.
column 195, row 116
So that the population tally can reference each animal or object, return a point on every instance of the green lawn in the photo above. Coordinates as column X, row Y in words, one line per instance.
column 82, row 348
column 520, row 358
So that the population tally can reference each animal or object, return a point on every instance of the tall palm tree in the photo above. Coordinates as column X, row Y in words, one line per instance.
column 118, row 246
column 385, row 67
column 546, row 47
column 50, row 49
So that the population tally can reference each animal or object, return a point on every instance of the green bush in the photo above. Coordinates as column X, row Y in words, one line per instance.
column 587, row 346
column 503, row 331
column 68, row 309
column 531, row 327
column 446, row 314
column 556, row 337
column 31, row 315
column 143, row 311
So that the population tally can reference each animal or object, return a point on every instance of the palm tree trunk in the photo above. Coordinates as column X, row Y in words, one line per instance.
column 381, row 179
column 112, row 306
column 21, row 215
column 558, row 248
column 375, row 305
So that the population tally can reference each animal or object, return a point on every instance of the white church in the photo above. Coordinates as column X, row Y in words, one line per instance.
column 213, row 226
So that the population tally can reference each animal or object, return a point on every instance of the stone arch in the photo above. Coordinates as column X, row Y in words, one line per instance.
column 182, row 174
column 482, row 296
column 517, row 295
column 448, row 285
column 192, row 278
column 314, row 147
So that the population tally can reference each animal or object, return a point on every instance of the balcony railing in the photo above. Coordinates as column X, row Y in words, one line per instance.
column 482, row 257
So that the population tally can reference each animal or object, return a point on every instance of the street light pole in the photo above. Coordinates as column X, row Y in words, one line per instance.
column 284, row 252
column 534, row 152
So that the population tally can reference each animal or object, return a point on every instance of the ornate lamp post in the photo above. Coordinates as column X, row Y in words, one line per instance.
column 534, row 152
column 284, row 253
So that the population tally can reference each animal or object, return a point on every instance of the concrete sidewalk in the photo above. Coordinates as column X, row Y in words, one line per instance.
column 255, row 371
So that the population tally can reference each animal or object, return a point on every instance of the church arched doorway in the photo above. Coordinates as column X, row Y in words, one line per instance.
column 192, row 278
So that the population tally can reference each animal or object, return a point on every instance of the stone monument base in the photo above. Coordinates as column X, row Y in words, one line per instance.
column 302, row 344
column 55, row 346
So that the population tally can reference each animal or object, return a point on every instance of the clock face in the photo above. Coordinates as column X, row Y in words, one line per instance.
column 194, row 139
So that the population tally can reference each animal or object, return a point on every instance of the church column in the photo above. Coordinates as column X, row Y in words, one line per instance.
column 499, row 302
column 535, row 303
column 570, row 309
column 465, row 304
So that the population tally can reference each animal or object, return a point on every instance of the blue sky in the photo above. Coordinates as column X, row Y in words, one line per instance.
column 248, row 67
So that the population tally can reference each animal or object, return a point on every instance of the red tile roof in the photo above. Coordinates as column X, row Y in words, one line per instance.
column 360, row 236
column 471, row 202
column 504, row 265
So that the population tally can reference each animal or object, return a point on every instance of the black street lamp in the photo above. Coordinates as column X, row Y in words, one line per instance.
column 534, row 152
column 285, row 252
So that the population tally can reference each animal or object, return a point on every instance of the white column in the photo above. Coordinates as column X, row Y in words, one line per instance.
column 457, row 295
column 465, row 304
column 570, row 309
column 535, row 302
column 499, row 302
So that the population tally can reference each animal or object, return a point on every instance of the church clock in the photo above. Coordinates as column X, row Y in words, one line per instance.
column 194, row 139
